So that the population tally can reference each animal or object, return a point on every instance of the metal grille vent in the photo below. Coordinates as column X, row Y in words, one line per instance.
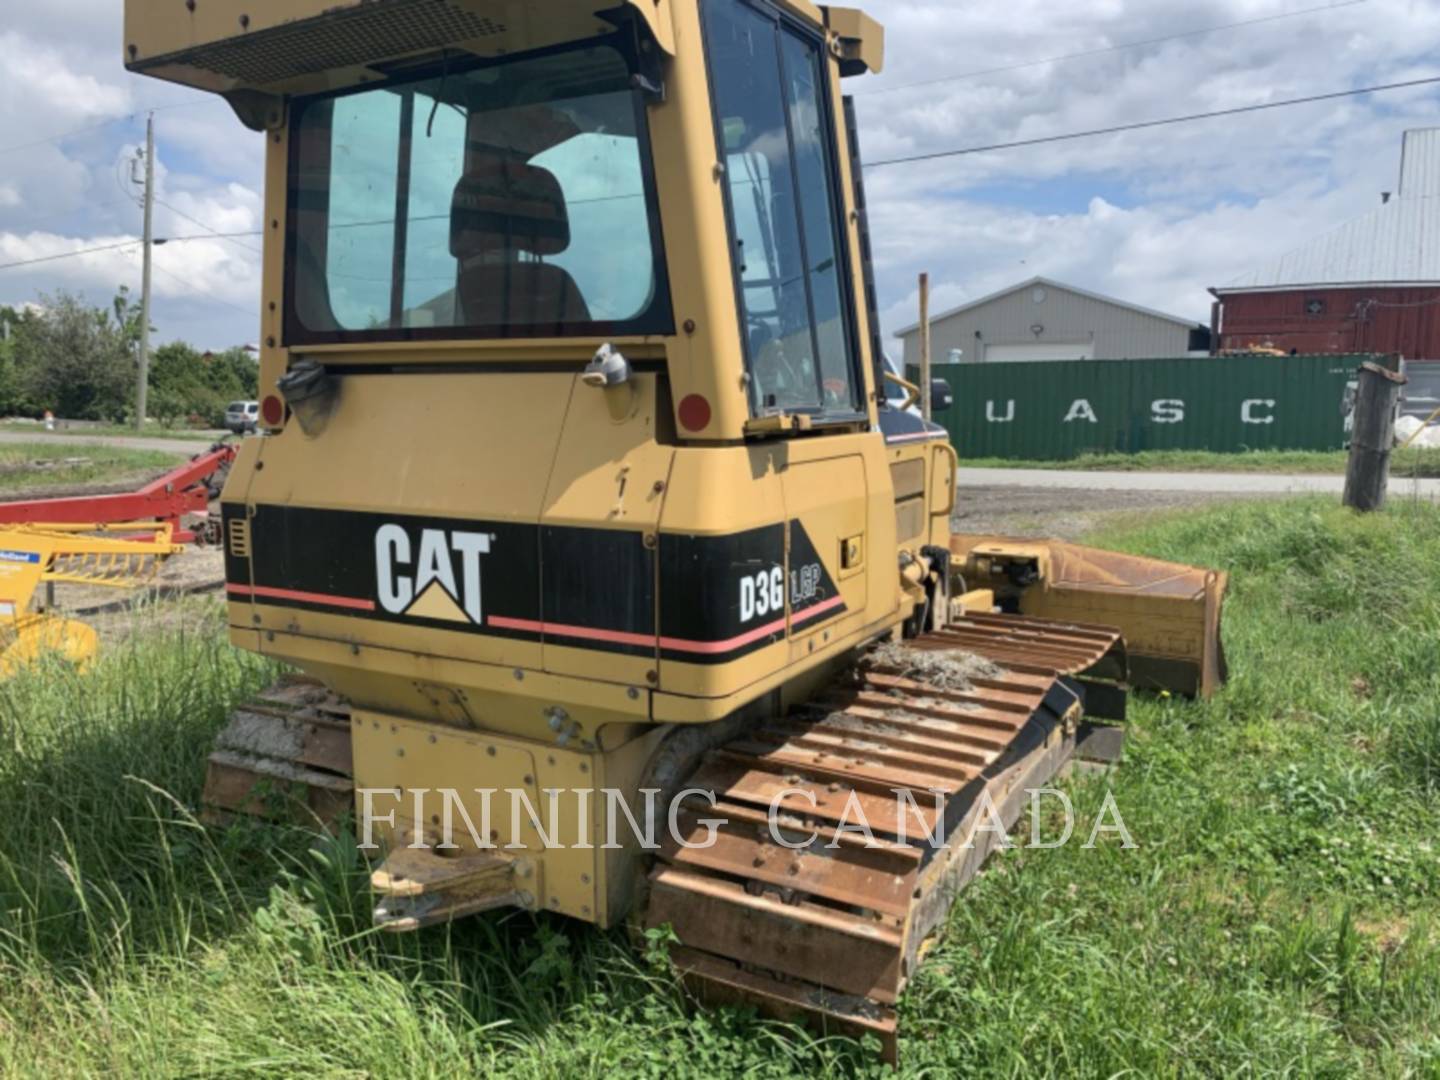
column 240, row 538
column 371, row 31
column 909, row 519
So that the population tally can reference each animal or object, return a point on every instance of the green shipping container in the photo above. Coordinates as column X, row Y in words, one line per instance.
column 1056, row 410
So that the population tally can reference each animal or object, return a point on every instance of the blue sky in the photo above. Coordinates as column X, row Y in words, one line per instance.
column 1153, row 216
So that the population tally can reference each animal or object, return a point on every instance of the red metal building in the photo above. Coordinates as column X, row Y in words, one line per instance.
column 1372, row 285
column 1368, row 319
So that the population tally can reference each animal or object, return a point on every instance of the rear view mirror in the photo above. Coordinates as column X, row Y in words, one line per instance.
column 941, row 397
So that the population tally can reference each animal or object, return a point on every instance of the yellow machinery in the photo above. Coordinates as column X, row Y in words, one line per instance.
column 32, row 555
column 576, row 475
column 1170, row 614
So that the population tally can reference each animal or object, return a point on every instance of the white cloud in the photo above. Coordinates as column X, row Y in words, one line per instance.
column 65, row 76
column 1153, row 216
column 43, row 73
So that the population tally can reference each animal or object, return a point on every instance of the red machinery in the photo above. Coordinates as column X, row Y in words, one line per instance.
column 184, row 491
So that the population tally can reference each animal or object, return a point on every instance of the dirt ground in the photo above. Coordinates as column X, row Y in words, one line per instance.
column 1067, row 514
column 192, row 570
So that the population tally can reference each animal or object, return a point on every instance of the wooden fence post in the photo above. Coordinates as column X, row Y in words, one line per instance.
column 1373, row 437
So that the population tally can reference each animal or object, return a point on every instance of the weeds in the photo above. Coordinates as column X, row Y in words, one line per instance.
column 46, row 464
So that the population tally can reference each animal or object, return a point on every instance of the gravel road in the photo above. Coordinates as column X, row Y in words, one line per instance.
column 1228, row 484
column 1066, row 513
column 178, row 447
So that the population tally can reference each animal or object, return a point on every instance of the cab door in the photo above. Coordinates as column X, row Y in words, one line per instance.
column 777, row 128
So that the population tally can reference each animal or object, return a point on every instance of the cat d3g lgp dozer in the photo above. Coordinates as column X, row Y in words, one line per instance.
column 576, row 472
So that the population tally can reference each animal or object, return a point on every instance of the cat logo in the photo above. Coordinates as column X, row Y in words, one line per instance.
column 437, row 579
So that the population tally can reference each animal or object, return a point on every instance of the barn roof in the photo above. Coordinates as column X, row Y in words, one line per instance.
column 1397, row 243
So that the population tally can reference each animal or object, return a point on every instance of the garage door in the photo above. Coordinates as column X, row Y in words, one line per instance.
column 1034, row 350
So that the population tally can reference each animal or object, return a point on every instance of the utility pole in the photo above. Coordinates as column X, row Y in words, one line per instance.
column 925, row 346
column 143, row 376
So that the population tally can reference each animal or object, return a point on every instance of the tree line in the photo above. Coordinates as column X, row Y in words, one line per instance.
column 80, row 363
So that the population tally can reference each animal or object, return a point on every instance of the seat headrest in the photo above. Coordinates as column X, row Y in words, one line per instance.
column 504, row 204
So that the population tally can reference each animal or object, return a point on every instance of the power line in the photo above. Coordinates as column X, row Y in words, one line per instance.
column 198, row 291
column 115, row 247
column 207, row 236
column 912, row 159
column 207, row 228
column 1107, row 49
column 1151, row 123
column 126, row 118
column 68, row 134
column 71, row 254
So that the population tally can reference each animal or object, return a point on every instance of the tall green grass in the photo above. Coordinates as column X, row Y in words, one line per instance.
column 70, row 464
column 1279, row 915
column 135, row 941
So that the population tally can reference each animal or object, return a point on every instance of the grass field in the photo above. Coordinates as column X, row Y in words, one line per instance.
column 152, row 430
column 1414, row 462
column 35, row 465
column 1279, row 915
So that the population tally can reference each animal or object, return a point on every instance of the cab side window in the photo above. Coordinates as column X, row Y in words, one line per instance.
column 769, row 86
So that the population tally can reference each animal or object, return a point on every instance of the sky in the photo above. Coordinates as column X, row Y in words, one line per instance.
column 1154, row 217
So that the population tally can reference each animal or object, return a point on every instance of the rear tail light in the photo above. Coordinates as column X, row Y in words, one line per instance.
column 694, row 413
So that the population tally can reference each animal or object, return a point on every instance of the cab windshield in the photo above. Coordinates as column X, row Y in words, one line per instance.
column 772, row 119
column 502, row 199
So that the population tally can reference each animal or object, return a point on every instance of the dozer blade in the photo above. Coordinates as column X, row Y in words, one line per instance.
column 1169, row 613
column 812, row 920
column 284, row 756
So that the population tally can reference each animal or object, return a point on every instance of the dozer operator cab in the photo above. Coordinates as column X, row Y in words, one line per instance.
column 569, row 354
column 448, row 171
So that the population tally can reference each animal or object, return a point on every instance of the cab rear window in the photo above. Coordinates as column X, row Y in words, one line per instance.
column 499, row 199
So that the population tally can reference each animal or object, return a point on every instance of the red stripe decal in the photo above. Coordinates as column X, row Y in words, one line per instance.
column 586, row 633
column 263, row 592
column 642, row 640
column 583, row 633
column 819, row 609
column 710, row 648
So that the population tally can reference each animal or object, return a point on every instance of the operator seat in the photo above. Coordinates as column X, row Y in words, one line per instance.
column 505, row 217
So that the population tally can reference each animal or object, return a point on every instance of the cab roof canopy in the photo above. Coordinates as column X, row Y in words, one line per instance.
column 257, row 51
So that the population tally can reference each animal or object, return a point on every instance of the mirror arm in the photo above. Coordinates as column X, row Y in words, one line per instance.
column 905, row 384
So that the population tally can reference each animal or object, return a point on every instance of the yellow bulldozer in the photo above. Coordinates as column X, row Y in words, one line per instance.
column 576, row 476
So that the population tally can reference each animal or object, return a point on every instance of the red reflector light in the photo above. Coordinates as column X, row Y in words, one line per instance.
column 272, row 411
column 695, row 413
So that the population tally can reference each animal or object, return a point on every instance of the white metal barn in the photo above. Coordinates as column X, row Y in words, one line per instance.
column 1041, row 319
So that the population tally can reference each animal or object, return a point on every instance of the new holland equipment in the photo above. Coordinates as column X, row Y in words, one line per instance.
column 116, row 541
column 576, row 473
column 72, row 554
